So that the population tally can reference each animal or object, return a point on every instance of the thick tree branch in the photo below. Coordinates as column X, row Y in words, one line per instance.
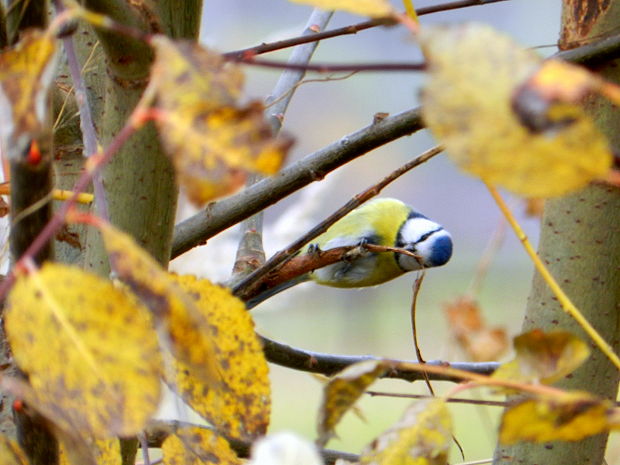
column 220, row 215
column 329, row 364
column 223, row 214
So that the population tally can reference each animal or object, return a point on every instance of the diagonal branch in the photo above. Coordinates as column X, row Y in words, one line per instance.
column 227, row 212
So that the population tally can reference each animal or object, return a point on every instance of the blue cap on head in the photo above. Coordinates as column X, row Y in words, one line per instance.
column 441, row 251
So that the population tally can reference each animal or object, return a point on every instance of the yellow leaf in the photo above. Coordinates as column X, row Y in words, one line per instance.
column 421, row 437
column 182, row 327
column 197, row 446
column 212, row 142
column 105, row 452
column 544, row 357
column 240, row 406
column 468, row 104
column 571, row 417
column 26, row 73
column 372, row 8
column 65, row 328
column 11, row 453
column 342, row 391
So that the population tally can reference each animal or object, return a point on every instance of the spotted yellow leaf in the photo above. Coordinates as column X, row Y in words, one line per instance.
column 11, row 453
column 421, row 437
column 372, row 8
column 544, row 357
column 197, row 446
column 342, row 391
column 26, row 73
column 570, row 417
column 240, row 406
column 104, row 452
column 474, row 74
column 213, row 142
column 183, row 329
column 66, row 328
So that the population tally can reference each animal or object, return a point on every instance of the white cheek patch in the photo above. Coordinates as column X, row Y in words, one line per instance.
column 415, row 228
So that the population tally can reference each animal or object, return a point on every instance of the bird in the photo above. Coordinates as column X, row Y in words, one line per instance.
column 384, row 222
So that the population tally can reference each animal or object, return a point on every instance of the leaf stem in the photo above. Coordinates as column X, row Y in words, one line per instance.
column 563, row 299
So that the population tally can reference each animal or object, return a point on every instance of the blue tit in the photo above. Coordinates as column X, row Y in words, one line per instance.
column 386, row 222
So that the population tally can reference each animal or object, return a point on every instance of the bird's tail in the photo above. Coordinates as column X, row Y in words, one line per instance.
column 254, row 301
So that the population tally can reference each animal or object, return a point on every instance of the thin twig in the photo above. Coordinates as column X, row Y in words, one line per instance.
column 332, row 68
column 245, row 288
column 85, row 179
column 454, row 400
column 564, row 301
column 352, row 29
column 417, row 286
column 89, row 134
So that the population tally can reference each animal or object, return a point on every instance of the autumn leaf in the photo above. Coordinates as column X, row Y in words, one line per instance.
column 104, row 452
column 572, row 416
column 372, row 8
column 466, row 324
column 182, row 327
column 421, row 437
column 65, row 327
column 544, row 357
column 197, row 446
column 342, row 391
column 26, row 73
column 213, row 142
column 468, row 104
column 239, row 406
column 11, row 453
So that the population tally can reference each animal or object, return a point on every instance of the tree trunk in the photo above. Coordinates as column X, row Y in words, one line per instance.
column 580, row 245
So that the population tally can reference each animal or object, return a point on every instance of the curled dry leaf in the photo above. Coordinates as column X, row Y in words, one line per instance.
column 240, row 404
column 544, row 357
column 65, row 327
column 421, row 437
column 571, row 417
column 342, row 391
column 479, row 342
column 212, row 141
column 468, row 104
column 197, row 446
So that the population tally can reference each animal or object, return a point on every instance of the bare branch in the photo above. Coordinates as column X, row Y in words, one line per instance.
column 352, row 29
column 250, row 285
column 223, row 214
column 329, row 364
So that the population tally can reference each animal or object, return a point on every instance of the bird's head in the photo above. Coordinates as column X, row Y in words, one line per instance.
column 429, row 241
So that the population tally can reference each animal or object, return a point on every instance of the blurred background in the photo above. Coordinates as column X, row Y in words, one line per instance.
column 375, row 320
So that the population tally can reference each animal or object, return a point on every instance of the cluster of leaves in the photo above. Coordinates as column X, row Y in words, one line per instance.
column 94, row 364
